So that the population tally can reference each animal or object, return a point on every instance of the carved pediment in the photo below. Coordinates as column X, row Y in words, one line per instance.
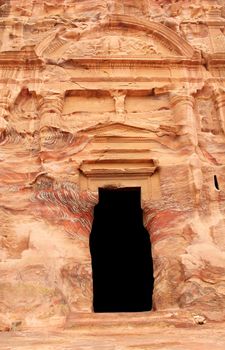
column 117, row 130
column 118, row 143
column 118, row 37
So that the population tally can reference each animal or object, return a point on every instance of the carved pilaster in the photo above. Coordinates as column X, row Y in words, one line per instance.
column 197, row 176
column 220, row 107
column 50, row 106
column 182, row 106
column 4, row 108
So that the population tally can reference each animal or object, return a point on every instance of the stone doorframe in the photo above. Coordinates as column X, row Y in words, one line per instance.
column 116, row 173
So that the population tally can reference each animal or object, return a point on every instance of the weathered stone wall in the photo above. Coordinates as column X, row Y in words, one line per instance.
column 123, row 93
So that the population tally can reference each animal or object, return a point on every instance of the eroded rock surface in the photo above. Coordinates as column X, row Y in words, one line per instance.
column 110, row 93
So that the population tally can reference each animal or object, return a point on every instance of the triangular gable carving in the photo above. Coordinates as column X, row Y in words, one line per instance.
column 116, row 129
column 118, row 37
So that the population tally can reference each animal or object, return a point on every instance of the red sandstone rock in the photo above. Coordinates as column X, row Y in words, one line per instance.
column 119, row 93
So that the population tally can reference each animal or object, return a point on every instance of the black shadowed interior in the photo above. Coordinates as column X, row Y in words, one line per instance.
column 121, row 253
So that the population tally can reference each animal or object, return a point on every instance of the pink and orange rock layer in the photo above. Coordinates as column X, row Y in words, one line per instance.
column 113, row 86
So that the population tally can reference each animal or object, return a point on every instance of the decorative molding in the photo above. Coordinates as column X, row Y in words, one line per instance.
column 121, row 173
column 215, row 60
column 118, row 167
column 119, row 62
column 26, row 59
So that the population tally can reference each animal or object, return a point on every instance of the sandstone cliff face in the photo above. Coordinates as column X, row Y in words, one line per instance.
column 122, row 93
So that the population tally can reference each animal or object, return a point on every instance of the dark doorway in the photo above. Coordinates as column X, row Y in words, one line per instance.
column 121, row 253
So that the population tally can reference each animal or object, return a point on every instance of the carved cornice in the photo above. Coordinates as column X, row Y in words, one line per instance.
column 118, row 167
column 124, row 139
column 220, row 22
column 26, row 59
column 215, row 59
column 99, row 62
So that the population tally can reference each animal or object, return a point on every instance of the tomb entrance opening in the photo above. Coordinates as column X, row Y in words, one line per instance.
column 122, row 267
